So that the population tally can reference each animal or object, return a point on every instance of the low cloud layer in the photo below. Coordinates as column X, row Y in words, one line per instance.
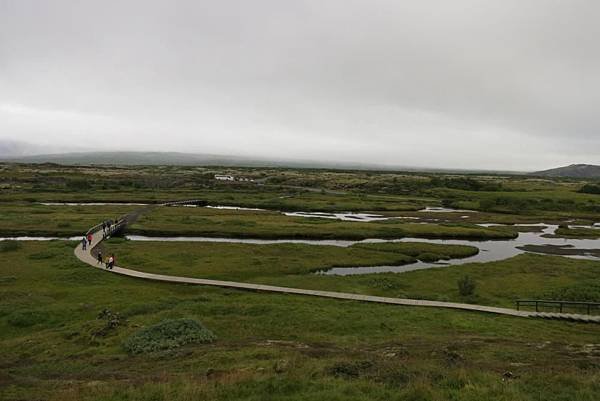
column 458, row 84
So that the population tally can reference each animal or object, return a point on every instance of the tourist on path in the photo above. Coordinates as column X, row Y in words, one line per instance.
column 90, row 238
column 99, row 256
column 84, row 243
column 104, row 226
column 109, row 263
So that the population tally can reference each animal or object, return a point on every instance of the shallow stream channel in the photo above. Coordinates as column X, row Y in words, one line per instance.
column 541, row 242
column 489, row 251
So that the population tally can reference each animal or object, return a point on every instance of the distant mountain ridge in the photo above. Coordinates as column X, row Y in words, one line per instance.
column 132, row 158
column 572, row 171
column 138, row 158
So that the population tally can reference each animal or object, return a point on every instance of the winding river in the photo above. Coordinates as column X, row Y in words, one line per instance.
column 489, row 250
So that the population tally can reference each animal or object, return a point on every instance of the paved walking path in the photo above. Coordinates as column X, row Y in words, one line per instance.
column 87, row 257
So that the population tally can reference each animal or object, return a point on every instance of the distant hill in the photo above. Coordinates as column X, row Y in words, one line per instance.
column 572, row 171
column 130, row 158
column 19, row 152
column 139, row 158
column 17, row 149
column 176, row 159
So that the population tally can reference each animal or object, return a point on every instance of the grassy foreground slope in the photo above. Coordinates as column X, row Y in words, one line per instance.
column 268, row 346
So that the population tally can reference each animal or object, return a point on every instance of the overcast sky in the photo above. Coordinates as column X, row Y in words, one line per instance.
column 459, row 84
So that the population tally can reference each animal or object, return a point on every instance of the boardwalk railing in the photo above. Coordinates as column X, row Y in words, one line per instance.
column 590, row 307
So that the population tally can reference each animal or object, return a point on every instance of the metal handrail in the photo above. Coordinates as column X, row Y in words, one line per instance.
column 548, row 302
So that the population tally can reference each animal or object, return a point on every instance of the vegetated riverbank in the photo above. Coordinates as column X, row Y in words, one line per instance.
column 563, row 250
column 592, row 232
column 223, row 259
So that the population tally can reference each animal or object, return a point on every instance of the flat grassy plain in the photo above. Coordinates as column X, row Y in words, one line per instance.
column 166, row 221
column 65, row 327
column 30, row 219
column 301, row 189
column 268, row 346
column 244, row 262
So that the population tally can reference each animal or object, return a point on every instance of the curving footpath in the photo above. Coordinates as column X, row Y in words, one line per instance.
column 97, row 235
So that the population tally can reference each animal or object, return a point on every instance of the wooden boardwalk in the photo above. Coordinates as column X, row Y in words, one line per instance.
column 87, row 257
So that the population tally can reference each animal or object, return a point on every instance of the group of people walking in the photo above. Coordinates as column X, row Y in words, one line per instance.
column 109, row 262
column 107, row 227
column 86, row 240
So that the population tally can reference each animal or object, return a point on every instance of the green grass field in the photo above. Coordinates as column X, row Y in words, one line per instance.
column 244, row 261
column 27, row 219
column 70, row 332
column 268, row 346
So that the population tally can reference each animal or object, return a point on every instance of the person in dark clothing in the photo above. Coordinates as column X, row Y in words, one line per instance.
column 84, row 243
column 99, row 257
column 104, row 226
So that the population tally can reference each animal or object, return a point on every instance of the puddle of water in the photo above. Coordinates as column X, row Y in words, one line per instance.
column 348, row 216
column 595, row 226
column 438, row 209
column 234, row 208
column 340, row 216
column 254, row 241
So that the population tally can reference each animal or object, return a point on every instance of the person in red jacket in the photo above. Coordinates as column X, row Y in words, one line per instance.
column 90, row 238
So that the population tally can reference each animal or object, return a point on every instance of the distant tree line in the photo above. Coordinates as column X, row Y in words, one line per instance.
column 590, row 189
column 465, row 184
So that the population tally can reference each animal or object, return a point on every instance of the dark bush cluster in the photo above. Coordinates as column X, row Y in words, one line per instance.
column 168, row 334
column 590, row 189
column 465, row 184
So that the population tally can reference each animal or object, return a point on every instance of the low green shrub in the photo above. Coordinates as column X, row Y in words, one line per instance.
column 26, row 318
column 466, row 286
column 580, row 292
column 10, row 245
column 168, row 334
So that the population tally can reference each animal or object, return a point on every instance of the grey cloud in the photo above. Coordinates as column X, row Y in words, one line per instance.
column 494, row 84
